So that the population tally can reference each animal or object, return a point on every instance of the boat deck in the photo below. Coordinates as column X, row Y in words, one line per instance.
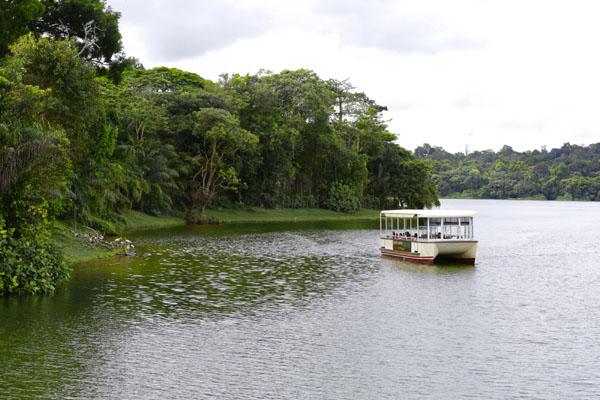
column 424, row 238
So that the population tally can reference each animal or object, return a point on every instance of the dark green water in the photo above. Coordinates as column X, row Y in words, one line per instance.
column 301, row 311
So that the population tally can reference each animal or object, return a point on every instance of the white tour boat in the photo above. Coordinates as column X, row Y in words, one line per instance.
column 423, row 236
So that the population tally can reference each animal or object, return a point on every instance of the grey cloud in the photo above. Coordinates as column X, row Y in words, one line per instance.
column 178, row 29
column 404, row 36
column 377, row 24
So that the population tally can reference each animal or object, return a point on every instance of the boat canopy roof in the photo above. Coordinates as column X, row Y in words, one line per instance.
column 427, row 213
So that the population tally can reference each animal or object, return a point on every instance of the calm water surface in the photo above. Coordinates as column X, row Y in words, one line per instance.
column 313, row 312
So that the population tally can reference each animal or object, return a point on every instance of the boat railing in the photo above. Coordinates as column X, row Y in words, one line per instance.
column 400, row 237
column 415, row 237
column 411, row 227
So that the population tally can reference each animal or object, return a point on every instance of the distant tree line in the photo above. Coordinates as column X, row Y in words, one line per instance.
column 87, row 133
column 570, row 172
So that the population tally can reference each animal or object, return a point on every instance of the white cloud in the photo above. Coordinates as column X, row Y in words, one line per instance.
column 394, row 26
column 523, row 73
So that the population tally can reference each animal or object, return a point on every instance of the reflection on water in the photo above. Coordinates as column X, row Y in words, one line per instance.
column 207, row 276
column 312, row 311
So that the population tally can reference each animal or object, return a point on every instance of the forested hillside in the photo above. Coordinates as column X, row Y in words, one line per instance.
column 87, row 133
column 571, row 172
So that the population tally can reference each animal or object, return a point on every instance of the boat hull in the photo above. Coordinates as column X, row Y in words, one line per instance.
column 430, row 251
column 407, row 257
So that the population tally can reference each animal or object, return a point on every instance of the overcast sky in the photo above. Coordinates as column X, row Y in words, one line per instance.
column 452, row 72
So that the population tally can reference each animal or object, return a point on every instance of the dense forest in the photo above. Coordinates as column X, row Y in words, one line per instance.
column 87, row 132
column 571, row 172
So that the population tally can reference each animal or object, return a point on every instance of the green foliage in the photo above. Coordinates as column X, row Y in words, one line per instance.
column 273, row 140
column 29, row 145
column 34, row 172
column 217, row 138
column 314, row 133
column 568, row 173
column 93, row 25
column 28, row 263
column 15, row 18
column 73, row 94
column 342, row 198
column 87, row 142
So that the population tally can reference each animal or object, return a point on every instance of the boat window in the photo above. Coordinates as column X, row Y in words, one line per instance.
column 466, row 228
column 401, row 227
column 435, row 221
column 422, row 223
column 435, row 228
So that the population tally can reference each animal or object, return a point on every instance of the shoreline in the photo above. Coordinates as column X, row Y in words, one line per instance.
column 532, row 198
column 76, row 250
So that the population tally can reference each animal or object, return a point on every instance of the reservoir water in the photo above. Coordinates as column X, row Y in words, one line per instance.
column 307, row 311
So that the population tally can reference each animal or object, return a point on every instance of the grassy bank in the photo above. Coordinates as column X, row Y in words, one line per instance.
column 137, row 221
column 262, row 215
column 77, row 250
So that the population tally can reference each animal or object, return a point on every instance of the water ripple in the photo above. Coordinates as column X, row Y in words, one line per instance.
column 303, row 313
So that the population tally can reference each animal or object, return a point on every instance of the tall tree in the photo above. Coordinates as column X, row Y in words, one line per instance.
column 34, row 172
column 92, row 24
column 15, row 18
column 216, row 140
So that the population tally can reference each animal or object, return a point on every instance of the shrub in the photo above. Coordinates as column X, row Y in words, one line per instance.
column 341, row 197
column 28, row 263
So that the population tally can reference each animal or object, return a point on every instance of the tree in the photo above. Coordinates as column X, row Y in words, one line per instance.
column 140, row 112
column 351, row 110
column 92, row 24
column 74, row 101
column 216, row 140
column 315, row 138
column 148, row 162
column 24, row 152
column 569, row 172
column 34, row 170
column 15, row 17
column 34, row 158
column 405, row 179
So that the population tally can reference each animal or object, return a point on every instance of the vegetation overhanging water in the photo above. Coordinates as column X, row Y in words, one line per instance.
column 88, row 134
